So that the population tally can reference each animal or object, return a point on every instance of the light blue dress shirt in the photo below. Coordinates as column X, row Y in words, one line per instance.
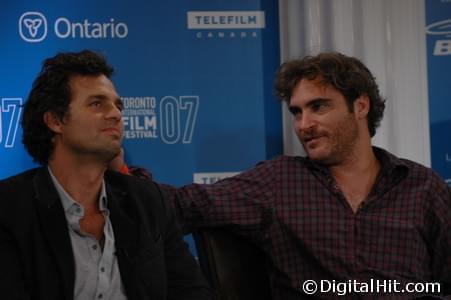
column 97, row 273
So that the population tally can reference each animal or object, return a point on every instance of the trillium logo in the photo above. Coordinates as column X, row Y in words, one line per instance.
column 33, row 26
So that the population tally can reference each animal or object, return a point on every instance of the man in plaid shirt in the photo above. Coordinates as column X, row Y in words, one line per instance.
column 348, row 213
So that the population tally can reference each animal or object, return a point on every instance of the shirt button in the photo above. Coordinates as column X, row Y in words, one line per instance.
column 94, row 247
column 100, row 296
column 102, row 269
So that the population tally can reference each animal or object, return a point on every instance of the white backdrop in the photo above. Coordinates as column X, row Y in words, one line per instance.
column 389, row 37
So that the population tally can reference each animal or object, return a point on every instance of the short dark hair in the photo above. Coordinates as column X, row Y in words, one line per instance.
column 346, row 74
column 51, row 93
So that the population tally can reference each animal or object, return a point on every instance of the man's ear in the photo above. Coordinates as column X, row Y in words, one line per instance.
column 362, row 106
column 52, row 121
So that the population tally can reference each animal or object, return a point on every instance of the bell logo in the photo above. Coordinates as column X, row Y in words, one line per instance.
column 443, row 29
column 33, row 27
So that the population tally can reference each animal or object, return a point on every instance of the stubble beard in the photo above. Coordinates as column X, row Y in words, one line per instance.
column 102, row 152
column 341, row 140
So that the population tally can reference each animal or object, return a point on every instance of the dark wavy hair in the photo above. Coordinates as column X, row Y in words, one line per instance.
column 346, row 74
column 51, row 93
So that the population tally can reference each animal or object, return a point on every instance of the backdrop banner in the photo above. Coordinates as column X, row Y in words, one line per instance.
column 195, row 78
column 438, row 29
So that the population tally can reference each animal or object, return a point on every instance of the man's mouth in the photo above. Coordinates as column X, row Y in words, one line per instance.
column 112, row 131
column 311, row 139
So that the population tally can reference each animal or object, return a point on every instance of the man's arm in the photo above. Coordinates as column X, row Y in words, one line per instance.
column 244, row 203
column 12, row 281
column 11, row 277
column 441, row 248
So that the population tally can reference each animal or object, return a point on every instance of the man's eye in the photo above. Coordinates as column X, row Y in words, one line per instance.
column 318, row 106
column 95, row 103
column 295, row 111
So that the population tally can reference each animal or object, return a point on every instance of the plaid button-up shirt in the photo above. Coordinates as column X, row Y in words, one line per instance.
column 295, row 212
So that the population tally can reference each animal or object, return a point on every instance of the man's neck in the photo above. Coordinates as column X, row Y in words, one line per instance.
column 82, row 181
column 356, row 176
column 357, row 163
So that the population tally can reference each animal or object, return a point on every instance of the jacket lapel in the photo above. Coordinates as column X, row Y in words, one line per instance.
column 55, row 231
column 126, row 233
column 125, row 229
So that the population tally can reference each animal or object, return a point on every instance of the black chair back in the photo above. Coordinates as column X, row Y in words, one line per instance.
column 235, row 268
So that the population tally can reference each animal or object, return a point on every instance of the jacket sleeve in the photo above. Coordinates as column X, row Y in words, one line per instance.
column 12, row 283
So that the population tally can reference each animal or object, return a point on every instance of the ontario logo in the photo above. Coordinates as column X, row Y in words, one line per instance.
column 33, row 27
column 226, row 24
column 443, row 30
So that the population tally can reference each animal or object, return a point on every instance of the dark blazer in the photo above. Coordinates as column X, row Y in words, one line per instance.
column 36, row 259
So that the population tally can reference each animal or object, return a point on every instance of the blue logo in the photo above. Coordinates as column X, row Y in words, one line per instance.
column 442, row 29
column 33, row 27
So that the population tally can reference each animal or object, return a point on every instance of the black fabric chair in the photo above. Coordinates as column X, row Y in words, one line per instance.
column 235, row 268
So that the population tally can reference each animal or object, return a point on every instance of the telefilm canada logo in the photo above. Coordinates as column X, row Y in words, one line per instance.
column 34, row 27
column 442, row 29
column 226, row 24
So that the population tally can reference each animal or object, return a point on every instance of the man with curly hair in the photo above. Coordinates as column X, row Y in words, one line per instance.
column 72, row 230
column 346, row 213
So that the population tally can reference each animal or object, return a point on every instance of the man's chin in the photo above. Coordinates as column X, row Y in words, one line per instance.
column 108, row 153
column 328, row 161
column 318, row 157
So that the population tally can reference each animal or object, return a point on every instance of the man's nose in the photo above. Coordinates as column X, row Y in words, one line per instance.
column 114, row 112
column 304, row 122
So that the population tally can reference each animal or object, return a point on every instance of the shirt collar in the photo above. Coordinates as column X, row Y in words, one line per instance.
column 390, row 164
column 68, row 202
column 393, row 170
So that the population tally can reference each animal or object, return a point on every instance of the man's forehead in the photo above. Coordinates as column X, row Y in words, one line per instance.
column 316, row 84
column 97, row 84
column 308, row 90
